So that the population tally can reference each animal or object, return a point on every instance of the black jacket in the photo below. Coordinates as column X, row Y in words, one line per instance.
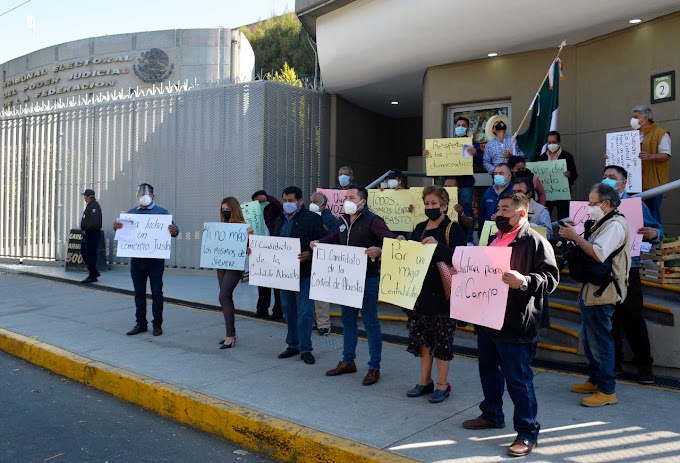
column 366, row 231
column 92, row 218
column 527, row 311
column 307, row 226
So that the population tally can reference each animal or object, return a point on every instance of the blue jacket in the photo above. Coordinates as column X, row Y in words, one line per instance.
column 488, row 206
column 330, row 222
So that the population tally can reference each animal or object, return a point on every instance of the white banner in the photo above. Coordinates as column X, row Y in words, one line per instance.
column 224, row 245
column 274, row 262
column 339, row 274
column 144, row 235
column 623, row 149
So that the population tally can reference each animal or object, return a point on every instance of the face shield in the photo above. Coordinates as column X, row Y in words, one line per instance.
column 144, row 195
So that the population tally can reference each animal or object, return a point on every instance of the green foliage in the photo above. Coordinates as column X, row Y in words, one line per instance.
column 287, row 76
column 278, row 41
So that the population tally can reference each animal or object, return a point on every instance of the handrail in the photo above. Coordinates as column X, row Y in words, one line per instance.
column 658, row 190
column 378, row 180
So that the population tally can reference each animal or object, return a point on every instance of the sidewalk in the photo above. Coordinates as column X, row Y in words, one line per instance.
column 92, row 324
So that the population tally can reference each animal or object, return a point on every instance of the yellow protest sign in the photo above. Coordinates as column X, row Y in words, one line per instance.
column 393, row 206
column 489, row 230
column 403, row 268
column 448, row 156
column 419, row 207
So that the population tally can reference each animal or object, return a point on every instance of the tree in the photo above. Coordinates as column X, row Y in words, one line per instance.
column 287, row 76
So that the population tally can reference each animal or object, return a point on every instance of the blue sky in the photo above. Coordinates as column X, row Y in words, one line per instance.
column 58, row 21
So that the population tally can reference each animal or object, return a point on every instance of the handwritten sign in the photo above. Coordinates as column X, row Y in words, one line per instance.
column 478, row 294
column 338, row 274
column 150, row 237
column 630, row 207
column 393, row 206
column 403, row 268
column 419, row 206
column 551, row 174
column 623, row 149
column 224, row 245
column 254, row 215
column 336, row 200
column 448, row 156
column 274, row 262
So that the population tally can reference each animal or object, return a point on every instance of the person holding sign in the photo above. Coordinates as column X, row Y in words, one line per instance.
column 518, row 165
column 553, row 153
column 431, row 329
column 628, row 314
column 498, row 149
column 142, row 268
column 297, row 222
column 362, row 228
column 538, row 215
column 502, row 184
column 505, row 355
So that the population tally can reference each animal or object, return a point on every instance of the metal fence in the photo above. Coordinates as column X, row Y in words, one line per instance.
column 195, row 146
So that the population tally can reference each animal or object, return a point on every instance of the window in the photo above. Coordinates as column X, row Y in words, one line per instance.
column 478, row 115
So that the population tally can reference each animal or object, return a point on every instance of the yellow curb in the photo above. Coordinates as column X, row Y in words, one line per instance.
column 245, row 427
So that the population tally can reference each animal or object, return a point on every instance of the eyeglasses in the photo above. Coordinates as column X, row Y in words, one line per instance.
column 595, row 204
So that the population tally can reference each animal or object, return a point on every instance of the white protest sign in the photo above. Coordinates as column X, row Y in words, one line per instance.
column 224, row 245
column 127, row 233
column 623, row 149
column 147, row 237
column 338, row 274
column 274, row 262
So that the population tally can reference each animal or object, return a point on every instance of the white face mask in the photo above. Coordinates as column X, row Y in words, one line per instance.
column 314, row 208
column 635, row 124
column 145, row 200
column 392, row 183
column 596, row 213
column 350, row 207
column 553, row 147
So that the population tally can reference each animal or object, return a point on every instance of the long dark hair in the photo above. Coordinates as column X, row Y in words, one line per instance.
column 235, row 208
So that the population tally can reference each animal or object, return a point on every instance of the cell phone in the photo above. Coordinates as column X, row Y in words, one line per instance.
column 561, row 222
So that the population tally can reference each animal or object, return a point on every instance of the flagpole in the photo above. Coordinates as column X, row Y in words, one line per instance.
column 531, row 105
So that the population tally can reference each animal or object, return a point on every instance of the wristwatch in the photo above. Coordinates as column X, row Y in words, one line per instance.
column 524, row 286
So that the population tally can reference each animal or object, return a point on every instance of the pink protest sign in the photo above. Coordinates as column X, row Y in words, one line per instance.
column 336, row 199
column 478, row 294
column 630, row 207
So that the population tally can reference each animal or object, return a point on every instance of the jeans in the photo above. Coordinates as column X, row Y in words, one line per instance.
column 140, row 270
column 369, row 316
column 298, row 309
column 88, row 249
column 654, row 205
column 628, row 319
column 598, row 344
column 500, row 363
column 466, row 196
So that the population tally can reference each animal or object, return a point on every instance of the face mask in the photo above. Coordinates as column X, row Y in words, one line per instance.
column 290, row 208
column 553, row 147
column 226, row 215
column 499, row 180
column 145, row 200
column 433, row 213
column 392, row 183
column 343, row 179
column 503, row 223
column 314, row 208
column 501, row 126
column 596, row 213
column 350, row 207
column 460, row 131
column 635, row 124
column 609, row 182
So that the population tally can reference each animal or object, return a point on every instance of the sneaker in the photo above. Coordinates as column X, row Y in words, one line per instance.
column 599, row 399
column 584, row 388
column 645, row 375
column 324, row 331
column 308, row 358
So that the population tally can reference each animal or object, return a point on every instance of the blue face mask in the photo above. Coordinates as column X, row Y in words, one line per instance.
column 289, row 208
column 460, row 131
column 343, row 179
column 499, row 180
column 609, row 182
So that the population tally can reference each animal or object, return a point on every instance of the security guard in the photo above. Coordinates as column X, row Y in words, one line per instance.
column 91, row 225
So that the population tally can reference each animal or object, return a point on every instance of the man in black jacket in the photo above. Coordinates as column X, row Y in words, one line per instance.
column 91, row 225
column 505, row 356
column 297, row 222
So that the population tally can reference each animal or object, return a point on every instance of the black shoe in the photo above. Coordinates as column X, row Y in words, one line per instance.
column 137, row 329
column 645, row 375
column 97, row 274
column 277, row 318
column 259, row 314
column 90, row 279
column 288, row 353
column 421, row 390
column 324, row 331
column 308, row 358
column 157, row 331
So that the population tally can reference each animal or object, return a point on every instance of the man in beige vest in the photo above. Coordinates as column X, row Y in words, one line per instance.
column 606, row 240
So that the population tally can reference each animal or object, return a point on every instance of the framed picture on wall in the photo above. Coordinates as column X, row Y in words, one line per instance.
column 663, row 87
column 478, row 114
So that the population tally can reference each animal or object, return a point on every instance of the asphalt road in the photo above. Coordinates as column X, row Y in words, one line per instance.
column 46, row 417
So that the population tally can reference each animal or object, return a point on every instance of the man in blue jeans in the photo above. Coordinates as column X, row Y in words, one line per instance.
column 298, row 222
column 143, row 268
column 362, row 228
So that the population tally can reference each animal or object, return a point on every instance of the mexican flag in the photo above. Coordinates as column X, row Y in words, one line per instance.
column 543, row 114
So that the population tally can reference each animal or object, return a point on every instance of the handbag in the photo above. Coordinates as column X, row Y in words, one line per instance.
column 446, row 270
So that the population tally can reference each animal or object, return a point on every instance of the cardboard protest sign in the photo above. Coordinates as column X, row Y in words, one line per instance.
column 551, row 175
column 623, row 149
column 338, row 274
column 419, row 207
column 478, row 294
column 448, row 156
column 403, row 268
column 144, row 235
column 253, row 213
column 336, row 200
column 224, row 245
column 274, row 262
column 393, row 206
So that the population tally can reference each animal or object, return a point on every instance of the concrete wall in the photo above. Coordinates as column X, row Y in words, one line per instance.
column 604, row 79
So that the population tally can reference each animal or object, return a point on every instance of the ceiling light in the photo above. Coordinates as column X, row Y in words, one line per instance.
column 394, row 102
column 491, row 55
column 635, row 21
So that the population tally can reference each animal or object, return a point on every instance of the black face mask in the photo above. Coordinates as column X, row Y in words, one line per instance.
column 503, row 223
column 501, row 126
column 434, row 213
column 226, row 215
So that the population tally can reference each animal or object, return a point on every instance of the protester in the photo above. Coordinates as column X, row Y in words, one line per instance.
column 518, row 166
column 395, row 180
column 91, row 227
column 498, row 149
column 553, row 153
column 538, row 214
column 345, row 177
column 502, row 183
column 655, row 153
column 230, row 212
column 505, row 356
column 431, row 329
column 322, row 309
column 367, row 231
column 142, row 268
column 297, row 222
column 465, row 211
column 607, row 245
column 272, row 212
column 627, row 316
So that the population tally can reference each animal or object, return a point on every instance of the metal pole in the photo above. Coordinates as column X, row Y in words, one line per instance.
column 658, row 190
